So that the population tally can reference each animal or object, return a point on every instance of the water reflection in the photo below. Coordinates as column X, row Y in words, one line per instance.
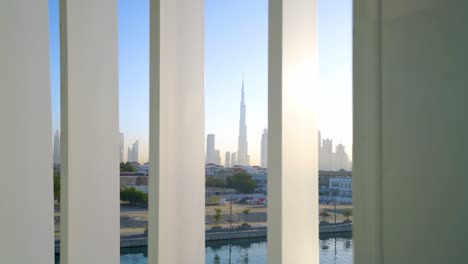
column 333, row 250
column 239, row 251
column 336, row 249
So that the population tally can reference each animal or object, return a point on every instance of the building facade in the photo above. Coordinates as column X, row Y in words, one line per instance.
column 338, row 190
column 212, row 154
column 227, row 159
column 233, row 159
column 133, row 152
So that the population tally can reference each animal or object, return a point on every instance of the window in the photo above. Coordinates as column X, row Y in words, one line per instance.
column 335, row 125
column 236, row 133
column 134, row 126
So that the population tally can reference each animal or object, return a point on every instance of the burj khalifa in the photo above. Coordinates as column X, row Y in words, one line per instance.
column 242, row 149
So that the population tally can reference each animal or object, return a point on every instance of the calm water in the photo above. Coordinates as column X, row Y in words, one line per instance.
column 333, row 250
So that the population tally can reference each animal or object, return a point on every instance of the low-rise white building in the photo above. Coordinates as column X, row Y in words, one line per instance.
column 339, row 190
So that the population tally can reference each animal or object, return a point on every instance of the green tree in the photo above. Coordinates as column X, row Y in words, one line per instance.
column 215, row 182
column 324, row 215
column 242, row 182
column 218, row 215
column 347, row 214
column 57, row 186
column 127, row 167
column 133, row 196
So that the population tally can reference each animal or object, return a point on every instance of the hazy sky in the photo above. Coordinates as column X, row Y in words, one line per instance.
column 236, row 43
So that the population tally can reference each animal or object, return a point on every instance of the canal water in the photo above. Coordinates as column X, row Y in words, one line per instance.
column 336, row 249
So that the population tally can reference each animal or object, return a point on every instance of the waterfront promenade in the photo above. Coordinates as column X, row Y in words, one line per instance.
column 141, row 240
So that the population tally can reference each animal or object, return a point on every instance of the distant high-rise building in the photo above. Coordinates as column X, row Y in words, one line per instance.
column 212, row 154
column 136, row 150
column 217, row 157
column 327, row 154
column 210, row 148
column 129, row 154
column 233, row 159
column 227, row 159
column 264, row 149
column 57, row 158
column 341, row 158
column 121, row 147
column 242, row 148
column 320, row 155
column 133, row 152
column 320, row 140
column 329, row 160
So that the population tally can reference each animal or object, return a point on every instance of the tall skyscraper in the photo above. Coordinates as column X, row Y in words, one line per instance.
column 210, row 148
column 233, row 159
column 341, row 158
column 242, row 148
column 227, row 159
column 133, row 152
column 327, row 154
column 57, row 158
column 329, row 160
column 264, row 149
column 129, row 155
column 320, row 140
column 136, row 150
column 121, row 147
column 212, row 154
column 217, row 157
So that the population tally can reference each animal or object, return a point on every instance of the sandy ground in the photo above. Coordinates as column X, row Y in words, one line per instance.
column 135, row 220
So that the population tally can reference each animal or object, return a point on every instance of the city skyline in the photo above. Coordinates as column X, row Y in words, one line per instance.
column 236, row 42
column 331, row 157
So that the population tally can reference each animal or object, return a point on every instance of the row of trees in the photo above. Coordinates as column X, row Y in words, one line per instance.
column 242, row 182
column 57, row 186
column 133, row 196
column 127, row 167
column 219, row 214
column 346, row 213
column 215, row 182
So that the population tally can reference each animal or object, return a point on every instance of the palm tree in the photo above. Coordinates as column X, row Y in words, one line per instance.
column 347, row 214
column 246, row 212
column 218, row 215
column 324, row 215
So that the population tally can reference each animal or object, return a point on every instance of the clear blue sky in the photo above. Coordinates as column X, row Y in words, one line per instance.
column 236, row 43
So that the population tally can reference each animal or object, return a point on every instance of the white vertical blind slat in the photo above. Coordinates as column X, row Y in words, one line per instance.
column 177, row 180
column 90, row 231
column 26, row 196
column 293, row 234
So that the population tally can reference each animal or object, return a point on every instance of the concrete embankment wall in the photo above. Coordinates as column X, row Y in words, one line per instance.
column 142, row 240
column 343, row 228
